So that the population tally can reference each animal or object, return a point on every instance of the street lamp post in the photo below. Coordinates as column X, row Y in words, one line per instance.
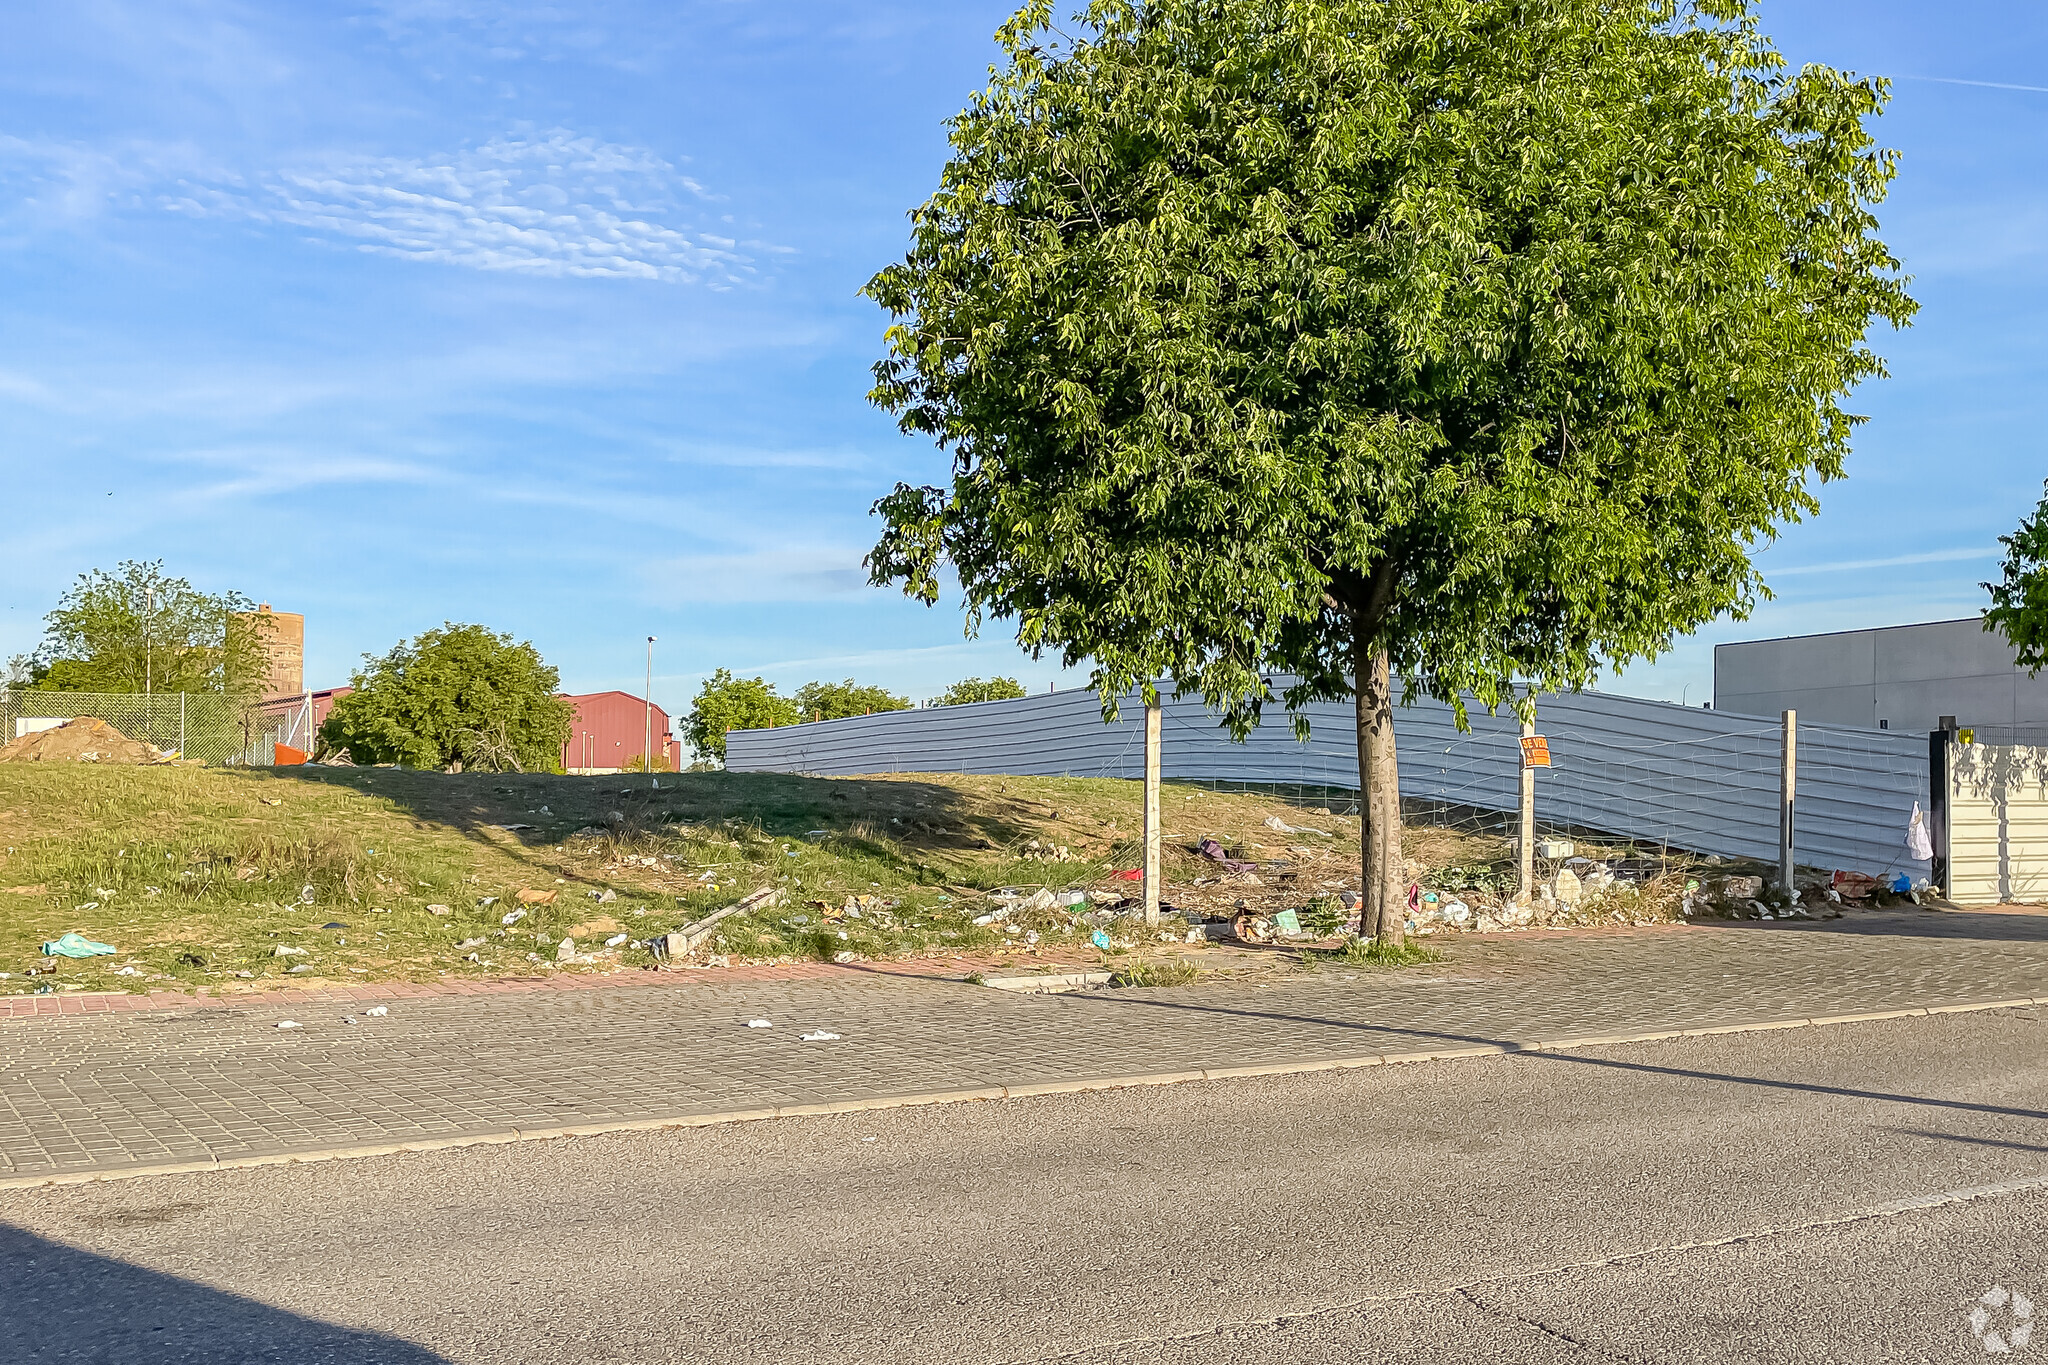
column 647, row 737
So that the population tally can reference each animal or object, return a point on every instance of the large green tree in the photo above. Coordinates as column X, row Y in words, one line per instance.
column 836, row 701
column 969, row 690
column 726, row 703
column 142, row 630
column 458, row 697
column 1462, row 347
column 2019, row 600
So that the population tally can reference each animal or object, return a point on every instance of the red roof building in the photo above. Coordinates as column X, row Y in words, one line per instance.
column 610, row 731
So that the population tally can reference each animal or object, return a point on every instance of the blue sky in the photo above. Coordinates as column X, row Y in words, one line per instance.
column 546, row 316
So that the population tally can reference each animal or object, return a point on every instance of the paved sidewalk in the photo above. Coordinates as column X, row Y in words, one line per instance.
column 207, row 1084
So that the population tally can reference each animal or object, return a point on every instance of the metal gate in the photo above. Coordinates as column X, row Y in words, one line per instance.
column 1994, row 825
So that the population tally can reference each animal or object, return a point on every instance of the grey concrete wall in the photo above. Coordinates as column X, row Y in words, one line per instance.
column 1903, row 678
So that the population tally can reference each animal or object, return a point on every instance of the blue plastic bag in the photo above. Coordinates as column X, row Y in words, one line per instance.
column 75, row 944
column 1099, row 939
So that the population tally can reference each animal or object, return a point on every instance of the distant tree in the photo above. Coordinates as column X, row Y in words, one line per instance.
column 836, row 701
column 2019, row 604
column 141, row 630
column 974, row 689
column 728, row 703
column 458, row 697
column 1454, row 347
column 21, row 672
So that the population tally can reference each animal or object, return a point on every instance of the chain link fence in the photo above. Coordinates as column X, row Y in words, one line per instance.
column 206, row 726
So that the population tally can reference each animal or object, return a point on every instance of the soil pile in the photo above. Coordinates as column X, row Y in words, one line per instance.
column 84, row 740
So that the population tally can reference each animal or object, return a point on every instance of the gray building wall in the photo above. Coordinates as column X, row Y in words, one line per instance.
column 1900, row 678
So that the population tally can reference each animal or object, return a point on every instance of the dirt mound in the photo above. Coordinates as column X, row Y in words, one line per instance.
column 84, row 740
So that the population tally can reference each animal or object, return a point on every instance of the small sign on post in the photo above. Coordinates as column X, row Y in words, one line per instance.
column 1535, row 751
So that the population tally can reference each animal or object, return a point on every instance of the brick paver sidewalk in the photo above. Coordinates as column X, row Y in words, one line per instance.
column 132, row 1089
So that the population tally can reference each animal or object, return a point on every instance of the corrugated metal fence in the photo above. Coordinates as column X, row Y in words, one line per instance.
column 1651, row 771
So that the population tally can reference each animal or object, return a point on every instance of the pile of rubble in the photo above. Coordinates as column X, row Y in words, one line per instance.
column 84, row 740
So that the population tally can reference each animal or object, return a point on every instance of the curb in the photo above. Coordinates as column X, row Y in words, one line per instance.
column 1031, row 1090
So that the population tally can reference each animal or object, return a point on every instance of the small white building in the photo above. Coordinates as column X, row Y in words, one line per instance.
column 1894, row 678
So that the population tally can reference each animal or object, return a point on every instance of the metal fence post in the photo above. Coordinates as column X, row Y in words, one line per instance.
column 1152, row 812
column 1787, row 785
column 1527, row 853
column 1938, row 757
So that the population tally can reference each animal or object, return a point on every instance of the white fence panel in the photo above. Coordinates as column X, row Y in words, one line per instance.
column 1652, row 771
column 1997, row 823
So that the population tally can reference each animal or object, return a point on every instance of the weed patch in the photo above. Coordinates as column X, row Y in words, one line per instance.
column 1155, row 972
column 1372, row 952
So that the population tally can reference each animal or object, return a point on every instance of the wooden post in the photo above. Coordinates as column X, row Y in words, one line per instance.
column 1528, row 832
column 1152, row 813
column 1787, row 782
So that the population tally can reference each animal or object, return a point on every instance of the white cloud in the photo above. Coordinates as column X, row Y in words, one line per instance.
column 1893, row 561
column 552, row 204
column 775, row 573
column 50, row 184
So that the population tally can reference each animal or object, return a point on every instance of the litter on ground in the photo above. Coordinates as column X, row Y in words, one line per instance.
column 759, row 1023
column 820, row 1036
column 75, row 944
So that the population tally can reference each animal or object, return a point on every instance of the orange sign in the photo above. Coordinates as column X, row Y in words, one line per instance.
column 1535, row 751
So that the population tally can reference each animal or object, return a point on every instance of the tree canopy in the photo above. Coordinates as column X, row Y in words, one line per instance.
column 975, row 689
column 458, row 697
column 2019, row 601
column 727, row 703
column 142, row 630
column 836, row 701
column 1461, row 346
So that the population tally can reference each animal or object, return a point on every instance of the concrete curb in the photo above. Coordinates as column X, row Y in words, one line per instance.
column 993, row 1092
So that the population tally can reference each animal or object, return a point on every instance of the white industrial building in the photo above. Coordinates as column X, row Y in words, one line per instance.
column 1896, row 678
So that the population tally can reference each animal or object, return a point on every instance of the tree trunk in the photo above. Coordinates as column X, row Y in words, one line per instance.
column 1384, row 912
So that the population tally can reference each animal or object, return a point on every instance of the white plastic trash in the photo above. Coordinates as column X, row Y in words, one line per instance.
column 820, row 1036
column 759, row 1023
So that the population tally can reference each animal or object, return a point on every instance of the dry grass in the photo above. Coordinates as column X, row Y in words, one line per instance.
column 199, row 875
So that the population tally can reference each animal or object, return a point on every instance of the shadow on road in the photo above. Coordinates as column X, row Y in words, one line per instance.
column 67, row 1304
column 1124, row 1000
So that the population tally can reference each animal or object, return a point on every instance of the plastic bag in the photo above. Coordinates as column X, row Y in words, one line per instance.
column 75, row 944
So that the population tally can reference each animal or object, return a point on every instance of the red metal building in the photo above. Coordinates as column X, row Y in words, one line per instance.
column 606, row 736
column 609, row 733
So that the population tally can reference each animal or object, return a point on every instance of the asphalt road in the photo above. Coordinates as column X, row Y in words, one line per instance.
column 1757, row 1197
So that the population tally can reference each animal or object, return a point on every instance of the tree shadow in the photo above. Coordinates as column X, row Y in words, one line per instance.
column 2000, row 775
column 1128, row 1000
column 869, row 814
column 68, row 1304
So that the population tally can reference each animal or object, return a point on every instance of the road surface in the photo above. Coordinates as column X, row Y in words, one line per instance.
column 1848, row 1193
